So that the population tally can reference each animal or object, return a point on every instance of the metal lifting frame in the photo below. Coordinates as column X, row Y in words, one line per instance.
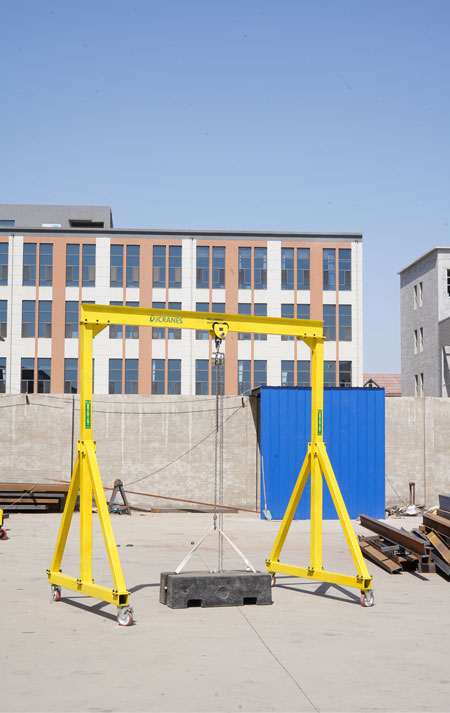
column 86, row 475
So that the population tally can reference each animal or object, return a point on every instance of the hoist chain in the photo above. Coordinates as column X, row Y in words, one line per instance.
column 219, row 362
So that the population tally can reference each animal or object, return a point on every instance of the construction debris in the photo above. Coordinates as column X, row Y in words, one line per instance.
column 394, row 549
column 425, row 549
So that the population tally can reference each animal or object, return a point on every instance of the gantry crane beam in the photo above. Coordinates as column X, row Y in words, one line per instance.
column 86, row 478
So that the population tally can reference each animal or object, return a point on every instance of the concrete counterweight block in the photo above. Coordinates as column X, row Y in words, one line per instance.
column 232, row 588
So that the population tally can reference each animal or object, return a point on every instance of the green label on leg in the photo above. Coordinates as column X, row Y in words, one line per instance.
column 319, row 423
column 87, row 414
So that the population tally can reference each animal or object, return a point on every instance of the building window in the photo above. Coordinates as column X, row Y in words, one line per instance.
column 345, row 269
column 45, row 264
column 45, row 319
column 345, row 323
column 448, row 282
column 420, row 339
column 202, row 266
column 303, row 373
column 244, row 308
column 28, row 318
column 175, row 266
column 44, row 376
column 2, row 375
column 174, row 376
column 416, row 342
column 201, row 377
column 29, row 263
column 131, row 376
column 218, row 267
column 73, row 265
column 287, row 373
column 244, row 385
column 7, row 223
column 419, row 385
column 132, row 265
column 245, row 267
column 158, row 332
column 159, row 266
column 116, row 266
column 303, row 311
column 260, row 269
column 420, row 294
column 287, row 268
column 70, row 376
column 329, row 322
column 4, row 263
column 71, row 329
column 329, row 269
column 158, row 376
column 171, row 332
column 345, row 374
column 415, row 292
column 3, row 318
column 287, row 312
column 88, row 265
column 259, row 373
column 115, row 376
column 329, row 376
column 202, row 307
column 303, row 268
column 116, row 330
column 27, row 376
column 132, row 330
column 260, row 310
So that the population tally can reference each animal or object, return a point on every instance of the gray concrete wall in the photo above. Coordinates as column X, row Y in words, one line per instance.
column 169, row 439
column 417, row 449
column 167, row 445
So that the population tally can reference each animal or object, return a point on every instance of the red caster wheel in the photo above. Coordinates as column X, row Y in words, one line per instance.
column 273, row 581
column 3, row 535
column 124, row 616
column 56, row 593
column 367, row 598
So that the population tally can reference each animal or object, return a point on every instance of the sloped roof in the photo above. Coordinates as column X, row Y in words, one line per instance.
column 391, row 383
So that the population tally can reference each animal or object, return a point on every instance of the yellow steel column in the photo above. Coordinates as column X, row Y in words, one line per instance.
column 316, row 438
column 86, row 344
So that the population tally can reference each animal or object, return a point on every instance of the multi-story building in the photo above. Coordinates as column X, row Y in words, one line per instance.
column 425, row 324
column 52, row 258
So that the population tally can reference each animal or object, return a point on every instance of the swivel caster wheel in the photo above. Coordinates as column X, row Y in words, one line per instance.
column 56, row 593
column 124, row 616
column 367, row 598
column 273, row 581
column 3, row 535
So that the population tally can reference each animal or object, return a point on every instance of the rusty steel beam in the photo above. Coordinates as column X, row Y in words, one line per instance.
column 434, row 522
column 409, row 542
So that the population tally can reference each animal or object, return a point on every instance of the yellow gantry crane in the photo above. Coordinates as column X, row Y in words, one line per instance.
column 86, row 478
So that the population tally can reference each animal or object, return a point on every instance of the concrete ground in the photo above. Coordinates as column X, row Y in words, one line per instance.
column 314, row 649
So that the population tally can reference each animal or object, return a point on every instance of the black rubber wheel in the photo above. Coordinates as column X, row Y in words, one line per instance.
column 3, row 535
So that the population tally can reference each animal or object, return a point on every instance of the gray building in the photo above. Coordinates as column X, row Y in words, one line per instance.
column 55, row 216
column 425, row 324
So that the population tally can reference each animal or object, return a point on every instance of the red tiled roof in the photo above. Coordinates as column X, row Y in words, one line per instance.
column 392, row 383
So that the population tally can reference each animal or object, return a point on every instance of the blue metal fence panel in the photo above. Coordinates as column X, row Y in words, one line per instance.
column 353, row 427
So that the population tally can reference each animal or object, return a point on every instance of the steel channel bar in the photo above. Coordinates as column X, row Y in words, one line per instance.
column 409, row 542
column 434, row 522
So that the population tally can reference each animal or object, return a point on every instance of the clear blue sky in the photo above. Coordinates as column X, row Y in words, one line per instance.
column 325, row 115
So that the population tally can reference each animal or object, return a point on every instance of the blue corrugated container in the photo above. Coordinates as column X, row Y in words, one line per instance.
column 353, row 427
